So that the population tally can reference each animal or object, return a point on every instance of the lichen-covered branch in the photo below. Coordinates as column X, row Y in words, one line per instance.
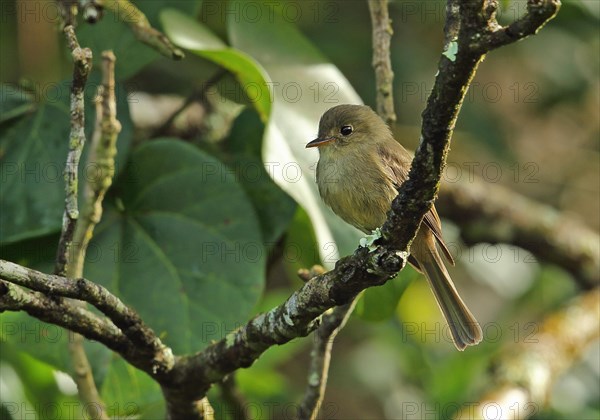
column 456, row 68
column 491, row 213
column 384, row 76
column 67, row 249
column 159, row 357
column 103, row 149
column 524, row 374
column 82, row 58
column 104, row 145
column 72, row 317
column 143, row 31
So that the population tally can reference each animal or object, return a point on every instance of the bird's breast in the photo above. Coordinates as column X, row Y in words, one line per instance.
column 357, row 190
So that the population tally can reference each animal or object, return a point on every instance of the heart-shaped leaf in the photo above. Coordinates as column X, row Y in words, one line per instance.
column 183, row 248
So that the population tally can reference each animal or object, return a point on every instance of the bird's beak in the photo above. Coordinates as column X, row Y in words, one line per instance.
column 319, row 142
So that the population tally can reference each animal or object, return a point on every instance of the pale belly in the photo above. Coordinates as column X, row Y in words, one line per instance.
column 361, row 198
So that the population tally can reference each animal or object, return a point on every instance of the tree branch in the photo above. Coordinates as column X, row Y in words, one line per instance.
column 71, row 317
column 491, row 213
column 232, row 396
column 320, row 356
column 151, row 355
column 102, row 153
column 102, row 156
column 66, row 255
column 525, row 373
column 538, row 13
column 145, row 350
column 127, row 12
column 384, row 76
column 82, row 58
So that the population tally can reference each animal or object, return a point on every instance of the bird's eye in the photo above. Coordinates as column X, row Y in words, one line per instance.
column 346, row 130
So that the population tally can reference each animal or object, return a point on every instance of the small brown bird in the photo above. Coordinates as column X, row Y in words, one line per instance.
column 360, row 167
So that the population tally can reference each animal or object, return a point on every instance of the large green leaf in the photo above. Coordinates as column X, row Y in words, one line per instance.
column 305, row 85
column 33, row 152
column 191, row 35
column 184, row 248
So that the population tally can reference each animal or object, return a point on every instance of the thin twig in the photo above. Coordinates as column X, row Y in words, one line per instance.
column 198, row 95
column 232, row 396
column 82, row 58
column 68, row 246
column 102, row 153
column 84, row 377
column 525, row 372
column 102, row 157
column 320, row 357
column 384, row 76
column 143, row 31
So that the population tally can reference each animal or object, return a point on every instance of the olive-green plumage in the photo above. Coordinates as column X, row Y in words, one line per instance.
column 360, row 167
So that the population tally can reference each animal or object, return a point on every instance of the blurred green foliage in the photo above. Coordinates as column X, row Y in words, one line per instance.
column 199, row 234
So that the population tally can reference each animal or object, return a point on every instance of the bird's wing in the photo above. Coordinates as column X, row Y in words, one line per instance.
column 397, row 161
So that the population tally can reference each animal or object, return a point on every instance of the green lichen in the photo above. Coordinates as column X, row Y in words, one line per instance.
column 451, row 51
column 369, row 240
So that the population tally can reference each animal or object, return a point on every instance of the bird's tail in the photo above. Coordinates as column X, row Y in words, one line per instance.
column 463, row 325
